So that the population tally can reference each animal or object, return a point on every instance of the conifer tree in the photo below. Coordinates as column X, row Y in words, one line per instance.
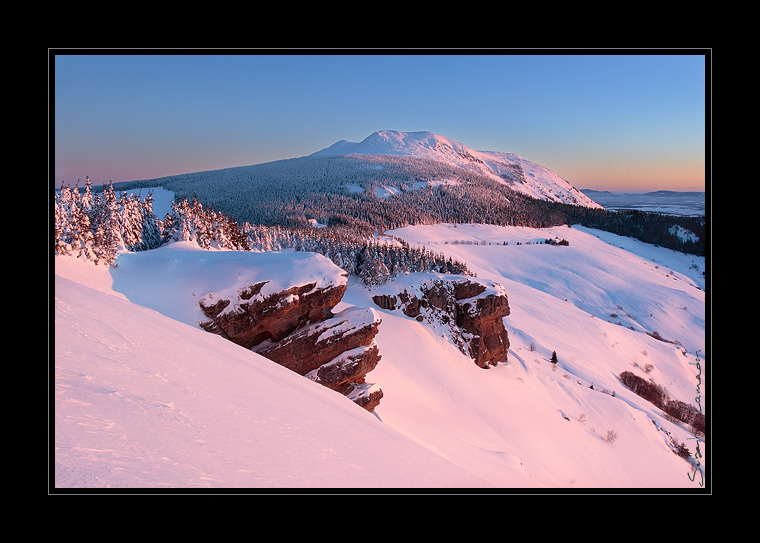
column 150, row 225
column 553, row 359
column 60, row 247
column 167, row 228
column 83, row 235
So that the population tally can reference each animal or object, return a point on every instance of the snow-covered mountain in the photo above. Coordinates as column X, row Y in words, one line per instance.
column 146, row 399
column 522, row 175
column 389, row 180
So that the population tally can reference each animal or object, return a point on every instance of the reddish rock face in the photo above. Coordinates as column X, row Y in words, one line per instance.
column 334, row 352
column 366, row 395
column 254, row 320
column 472, row 309
column 482, row 318
column 297, row 329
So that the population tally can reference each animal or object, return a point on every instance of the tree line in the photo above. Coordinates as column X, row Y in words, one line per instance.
column 374, row 259
column 96, row 226
column 343, row 191
column 646, row 226
column 658, row 396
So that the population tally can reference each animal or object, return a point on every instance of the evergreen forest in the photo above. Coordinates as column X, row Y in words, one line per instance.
column 348, row 191
column 95, row 226
column 332, row 206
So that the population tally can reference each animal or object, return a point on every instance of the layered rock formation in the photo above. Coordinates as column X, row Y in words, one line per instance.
column 296, row 328
column 254, row 317
column 472, row 311
column 337, row 352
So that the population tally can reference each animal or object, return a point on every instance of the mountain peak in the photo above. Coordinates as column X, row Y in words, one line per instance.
column 522, row 175
column 394, row 142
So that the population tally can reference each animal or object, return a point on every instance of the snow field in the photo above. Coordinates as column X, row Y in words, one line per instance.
column 145, row 401
column 144, row 398
column 517, row 410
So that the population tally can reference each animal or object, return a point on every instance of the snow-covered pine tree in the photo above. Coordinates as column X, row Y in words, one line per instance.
column 64, row 199
column 83, row 240
column 150, row 225
column 237, row 240
column 87, row 197
column 60, row 219
column 130, row 223
column 180, row 221
column 373, row 270
column 107, row 234
column 76, row 237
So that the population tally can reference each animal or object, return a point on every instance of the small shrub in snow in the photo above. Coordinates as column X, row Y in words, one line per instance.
column 682, row 450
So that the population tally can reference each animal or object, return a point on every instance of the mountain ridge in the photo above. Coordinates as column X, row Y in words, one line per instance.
column 421, row 143
column 541, row 182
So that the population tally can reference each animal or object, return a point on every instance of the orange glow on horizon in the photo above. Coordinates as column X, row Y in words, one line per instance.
column 633, row 177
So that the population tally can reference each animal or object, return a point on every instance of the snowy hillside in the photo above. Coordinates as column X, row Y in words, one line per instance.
column 522, row 175
column 145, row 401
column 144, row 398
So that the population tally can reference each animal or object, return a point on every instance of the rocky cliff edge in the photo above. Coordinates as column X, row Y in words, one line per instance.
column 296, row 327
column 471, row 309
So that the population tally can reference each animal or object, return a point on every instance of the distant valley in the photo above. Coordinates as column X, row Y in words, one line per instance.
column 661, row 201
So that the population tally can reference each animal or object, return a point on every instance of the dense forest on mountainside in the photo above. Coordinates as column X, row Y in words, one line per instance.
column 342, row 191
column 646, row 226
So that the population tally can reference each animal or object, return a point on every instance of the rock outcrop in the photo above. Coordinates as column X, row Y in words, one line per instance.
column 337, row 352
column 253, row 317
column 472, row 311
column 296, row 328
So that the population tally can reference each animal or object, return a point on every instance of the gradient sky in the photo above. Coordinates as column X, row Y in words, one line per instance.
column 601, row 120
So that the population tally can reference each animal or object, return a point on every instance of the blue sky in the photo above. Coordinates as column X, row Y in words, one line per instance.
column 601, row 120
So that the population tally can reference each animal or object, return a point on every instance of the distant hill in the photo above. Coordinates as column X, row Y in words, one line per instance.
column 519, row 174
column 395, row 179
column 388, row 180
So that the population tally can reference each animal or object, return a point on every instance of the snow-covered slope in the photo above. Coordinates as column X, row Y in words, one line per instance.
column 527, row 423
column 173, row 279
column 521, row 175
column 144, row 400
